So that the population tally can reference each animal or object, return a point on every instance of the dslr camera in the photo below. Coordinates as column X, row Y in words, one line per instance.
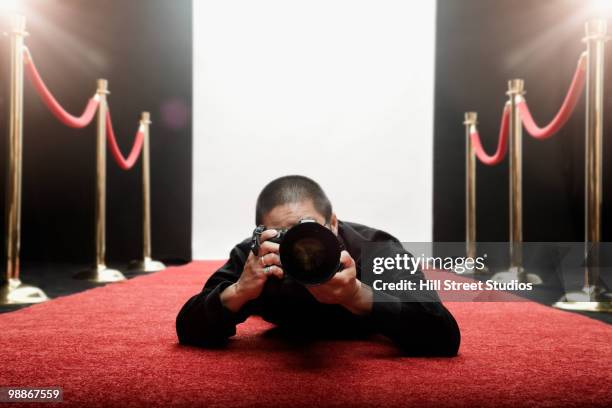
column 309, row 252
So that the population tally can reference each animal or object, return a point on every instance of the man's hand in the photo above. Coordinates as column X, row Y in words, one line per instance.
column 345, row 289
column 255, row 273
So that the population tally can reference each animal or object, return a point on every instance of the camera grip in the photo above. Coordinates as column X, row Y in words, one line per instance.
column 256, row 239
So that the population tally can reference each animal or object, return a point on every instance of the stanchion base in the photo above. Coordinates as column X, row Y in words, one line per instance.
column 514, row 275
column 101, row 274
column 146, row 265
column 586, row 300
column 14, row 292
column 584, row 306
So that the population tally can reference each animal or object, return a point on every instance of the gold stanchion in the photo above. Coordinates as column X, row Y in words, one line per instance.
column 146, row 264
column 593, row 296
column 471, row 119
column 100, row 273
column 516, row 271
column 470, row 186
column 12, row 291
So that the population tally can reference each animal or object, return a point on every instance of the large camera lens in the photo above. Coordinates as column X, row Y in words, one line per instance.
column 310, row 253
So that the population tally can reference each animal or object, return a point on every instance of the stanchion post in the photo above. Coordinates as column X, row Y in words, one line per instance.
column 593, row 296
column 470, row 122
column 146, row 264
column 12, row 290
column 100, row 273
column 516, row 90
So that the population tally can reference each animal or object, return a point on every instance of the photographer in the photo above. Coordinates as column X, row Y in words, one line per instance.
column 257, row 285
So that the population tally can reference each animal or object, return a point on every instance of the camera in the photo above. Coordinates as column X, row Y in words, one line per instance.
column 309, row 252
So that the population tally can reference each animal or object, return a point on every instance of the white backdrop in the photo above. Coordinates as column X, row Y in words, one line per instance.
column 337, row 90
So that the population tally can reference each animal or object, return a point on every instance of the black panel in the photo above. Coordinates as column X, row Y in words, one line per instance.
column 480, row 45
column 144, row 49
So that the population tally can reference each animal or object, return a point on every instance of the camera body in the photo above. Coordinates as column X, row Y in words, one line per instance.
column 309, row 252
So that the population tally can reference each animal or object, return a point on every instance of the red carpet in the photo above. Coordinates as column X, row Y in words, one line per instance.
column 116, row 346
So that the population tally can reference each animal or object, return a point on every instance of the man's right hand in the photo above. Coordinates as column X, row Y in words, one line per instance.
column 255, row 273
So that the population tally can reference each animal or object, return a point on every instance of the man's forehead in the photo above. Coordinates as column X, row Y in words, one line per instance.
column 287, row 215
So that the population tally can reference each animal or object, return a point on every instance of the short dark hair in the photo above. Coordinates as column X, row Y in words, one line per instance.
column 292, row 189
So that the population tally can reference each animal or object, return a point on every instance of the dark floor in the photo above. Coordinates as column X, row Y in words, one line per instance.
column 548, row 294
column 57, row 280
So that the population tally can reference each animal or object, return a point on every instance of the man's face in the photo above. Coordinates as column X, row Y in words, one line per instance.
column 288, row 215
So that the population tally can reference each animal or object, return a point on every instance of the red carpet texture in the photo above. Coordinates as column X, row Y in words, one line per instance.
column 116, row 346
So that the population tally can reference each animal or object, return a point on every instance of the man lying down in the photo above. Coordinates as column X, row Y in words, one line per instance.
column 254, row 282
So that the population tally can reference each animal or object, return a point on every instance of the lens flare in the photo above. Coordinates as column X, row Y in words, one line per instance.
column 11, row 6
column 601, row 8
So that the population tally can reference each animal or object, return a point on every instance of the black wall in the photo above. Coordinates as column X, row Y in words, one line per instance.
column 480, row 45
column 144, row 49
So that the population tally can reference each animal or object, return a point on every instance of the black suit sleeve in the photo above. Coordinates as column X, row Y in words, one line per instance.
column 418, row 328
column 203, row 320
column 420, row 325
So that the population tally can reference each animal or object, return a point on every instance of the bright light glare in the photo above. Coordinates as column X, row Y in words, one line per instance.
column 11, row 6
column 601, row 8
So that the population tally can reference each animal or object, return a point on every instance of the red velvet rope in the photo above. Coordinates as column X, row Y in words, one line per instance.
column 54, row 106
column 502, row 144
column 568, row 106
column 122, row 162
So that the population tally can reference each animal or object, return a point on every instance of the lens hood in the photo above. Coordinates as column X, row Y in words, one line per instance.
column 310, row 253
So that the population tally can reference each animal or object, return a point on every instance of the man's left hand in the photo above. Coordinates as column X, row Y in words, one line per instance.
column 345, row 289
